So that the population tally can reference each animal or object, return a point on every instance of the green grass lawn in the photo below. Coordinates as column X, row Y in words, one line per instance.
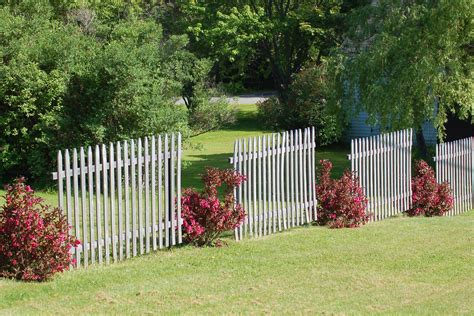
column 400, row 265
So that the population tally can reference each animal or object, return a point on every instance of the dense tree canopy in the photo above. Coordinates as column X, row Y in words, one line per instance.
column 406, row 62
column 287, row 33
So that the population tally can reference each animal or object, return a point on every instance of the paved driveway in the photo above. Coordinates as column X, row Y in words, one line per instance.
column 250, row 98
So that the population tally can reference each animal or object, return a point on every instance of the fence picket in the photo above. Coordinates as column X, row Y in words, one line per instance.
column 128, row 235
column 105, row 204
column 153, row 193
column 84, row 208
column 90, row 163
column 98, row 204
column 119, row 200
column 112, row 202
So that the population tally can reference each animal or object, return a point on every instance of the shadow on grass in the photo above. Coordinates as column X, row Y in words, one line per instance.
column 193, row 170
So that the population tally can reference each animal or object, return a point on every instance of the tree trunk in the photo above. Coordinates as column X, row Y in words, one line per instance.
column 420, row 140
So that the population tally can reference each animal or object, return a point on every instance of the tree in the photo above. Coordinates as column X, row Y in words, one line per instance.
column 406, row 62
column 287, row 32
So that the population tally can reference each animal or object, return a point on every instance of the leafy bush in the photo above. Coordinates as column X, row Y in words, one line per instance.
column 34, row 239
column 429, row 198
column 306, row 105
column 65, row 86
column 205, row 217
column 341, row 202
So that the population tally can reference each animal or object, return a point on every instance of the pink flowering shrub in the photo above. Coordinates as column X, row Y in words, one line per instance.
column 341, row 202
column 205, row 217
column 429, row 198
column 34, row 239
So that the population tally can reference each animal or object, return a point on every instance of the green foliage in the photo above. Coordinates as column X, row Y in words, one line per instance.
column 410, row 57
column 282, row 35
column 306, row 105
column 64, row 85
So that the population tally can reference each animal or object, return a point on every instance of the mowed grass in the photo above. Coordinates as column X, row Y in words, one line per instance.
column 400, row 265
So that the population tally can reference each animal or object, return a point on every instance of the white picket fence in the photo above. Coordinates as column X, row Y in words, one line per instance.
column 120, row 199
column 455, row 164
column 383, row 165
column 280, row 189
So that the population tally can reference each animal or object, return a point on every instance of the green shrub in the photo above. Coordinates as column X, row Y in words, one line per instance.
column 306, row 105
column 63, row 85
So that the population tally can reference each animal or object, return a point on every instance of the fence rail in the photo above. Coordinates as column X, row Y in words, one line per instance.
column 455, row 164
column 120, row 199
column 279, row 191
column 382, row 164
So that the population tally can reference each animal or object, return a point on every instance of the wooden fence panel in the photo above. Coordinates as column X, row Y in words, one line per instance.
column 280, row 171
column 117, row 197
column 455, row 164
column 382, row 164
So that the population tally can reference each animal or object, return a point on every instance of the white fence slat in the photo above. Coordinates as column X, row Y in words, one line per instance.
column 265, row 188
column 269, row 219
column 172, row 199
column 67, row 166
column 128, row 235
column 246, row 189
column 160, row 192
column 274, row 181
column 98, row 207
column 178, row 186
column 254, row 185
column 90, row 162
column 147, row 196
column 236, row 201
column 141, row 225
column 105, row 182
column 112, row 203
column 60, row 181
column 119, row 200
column 84, row 208
column 259, row 189
column 167, row 195
column 305, row 176
column 154, row 208
column 278, row 176
column 134, row 200
column 287, row 179
column 76, row 205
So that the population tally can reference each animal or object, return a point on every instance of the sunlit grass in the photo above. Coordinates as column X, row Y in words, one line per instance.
column 400, row 265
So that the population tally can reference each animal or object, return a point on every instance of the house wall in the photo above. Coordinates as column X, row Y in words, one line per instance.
column 358, row 128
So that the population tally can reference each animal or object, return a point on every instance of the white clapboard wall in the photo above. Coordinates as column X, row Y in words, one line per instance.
column 382, row 164
column 280, row 189
column 455, row 165
column 120, row 198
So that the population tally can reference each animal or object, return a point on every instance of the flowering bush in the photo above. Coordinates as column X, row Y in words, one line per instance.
column 205, row 217
column 34, row 239
column 429, row 198
column 341, row 202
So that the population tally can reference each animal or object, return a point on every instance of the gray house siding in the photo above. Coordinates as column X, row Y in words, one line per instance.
column 358, row 128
